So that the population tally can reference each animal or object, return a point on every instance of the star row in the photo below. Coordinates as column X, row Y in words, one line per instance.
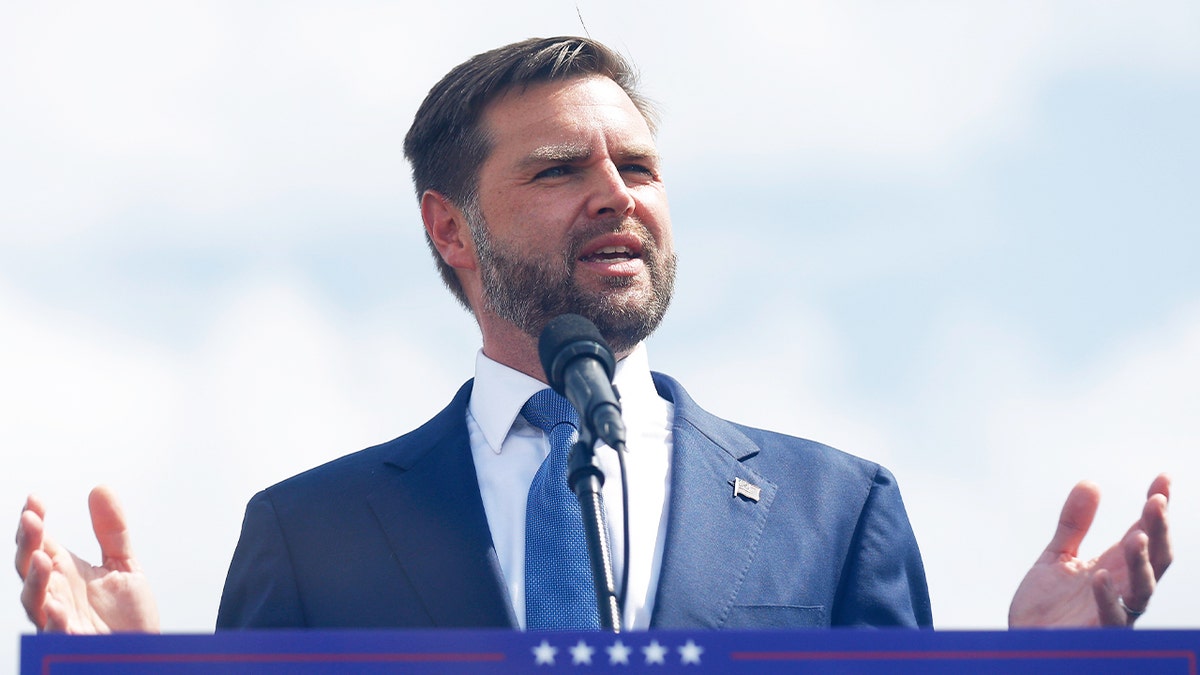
column 618, row 653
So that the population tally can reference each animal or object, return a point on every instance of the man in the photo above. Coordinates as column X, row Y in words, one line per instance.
column 541, row 193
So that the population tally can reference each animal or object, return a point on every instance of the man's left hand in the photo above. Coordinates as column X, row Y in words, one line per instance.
column 1062, row 590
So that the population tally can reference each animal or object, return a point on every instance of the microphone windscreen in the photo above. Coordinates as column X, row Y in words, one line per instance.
column 559, row 334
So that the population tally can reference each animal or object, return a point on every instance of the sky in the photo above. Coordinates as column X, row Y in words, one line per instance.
column 954, row 238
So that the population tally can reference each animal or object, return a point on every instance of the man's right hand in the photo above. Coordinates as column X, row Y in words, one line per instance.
column 63, row 593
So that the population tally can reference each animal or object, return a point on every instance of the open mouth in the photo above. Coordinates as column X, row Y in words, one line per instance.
column 610, row 254
column 612, row 248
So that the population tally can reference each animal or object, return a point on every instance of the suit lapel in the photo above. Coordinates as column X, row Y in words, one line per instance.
column 432, row 515
column 712, row 535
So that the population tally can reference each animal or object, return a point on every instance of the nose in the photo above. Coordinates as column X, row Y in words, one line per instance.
column 609, row 194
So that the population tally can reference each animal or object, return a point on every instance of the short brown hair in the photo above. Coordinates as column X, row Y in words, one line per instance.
column 446, row 143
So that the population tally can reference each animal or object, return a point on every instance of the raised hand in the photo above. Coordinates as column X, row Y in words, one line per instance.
column 63, row 593
column 1112, row 590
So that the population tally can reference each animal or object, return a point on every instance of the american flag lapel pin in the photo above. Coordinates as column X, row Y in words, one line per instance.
column 746, row 489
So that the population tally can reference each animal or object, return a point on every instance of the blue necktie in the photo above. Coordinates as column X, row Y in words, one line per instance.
column 559, row 592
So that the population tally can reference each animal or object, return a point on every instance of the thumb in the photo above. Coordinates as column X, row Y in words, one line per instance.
column 1075, row 519
column 108, row 523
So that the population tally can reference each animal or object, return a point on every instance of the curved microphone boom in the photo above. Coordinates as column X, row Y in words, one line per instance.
column 580, row 366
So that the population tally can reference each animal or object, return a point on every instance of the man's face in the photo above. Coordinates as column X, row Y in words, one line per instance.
column 572, row 212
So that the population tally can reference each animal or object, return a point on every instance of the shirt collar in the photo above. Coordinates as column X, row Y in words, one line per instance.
column 499, row 393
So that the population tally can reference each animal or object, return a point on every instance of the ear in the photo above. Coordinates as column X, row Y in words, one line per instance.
column 448, row 230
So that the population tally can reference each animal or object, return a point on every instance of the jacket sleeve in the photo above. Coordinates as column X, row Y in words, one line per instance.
column 260, row 589
column 883, row 581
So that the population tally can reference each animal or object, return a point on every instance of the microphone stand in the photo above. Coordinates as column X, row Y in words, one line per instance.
column 585, row 478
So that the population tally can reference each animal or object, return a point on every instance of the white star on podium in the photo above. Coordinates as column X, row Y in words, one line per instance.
column 618, row 653
column 690, row 653
column 582, row 653
column 543, row 654
column 655, row 653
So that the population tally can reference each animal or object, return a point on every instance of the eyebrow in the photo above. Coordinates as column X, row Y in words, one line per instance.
column 566, row 152
column 639, row 152
column 570, row 153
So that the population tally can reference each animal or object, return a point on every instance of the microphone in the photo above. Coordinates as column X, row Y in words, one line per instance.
column 580, row 366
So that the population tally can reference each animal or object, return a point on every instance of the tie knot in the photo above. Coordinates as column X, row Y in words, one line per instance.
column 547, row 409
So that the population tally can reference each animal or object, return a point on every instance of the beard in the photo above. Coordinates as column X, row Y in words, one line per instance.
column 529, row 293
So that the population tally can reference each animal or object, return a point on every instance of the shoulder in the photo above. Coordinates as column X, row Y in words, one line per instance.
column 807, row 460
column 833, row 533
column 769, row 450
column 353, row 474
column 816, row 483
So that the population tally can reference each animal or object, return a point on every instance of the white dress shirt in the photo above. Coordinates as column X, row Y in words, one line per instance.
column 508, row 451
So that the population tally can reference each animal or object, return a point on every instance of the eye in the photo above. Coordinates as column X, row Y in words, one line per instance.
column 556, row 171
column 640, row 170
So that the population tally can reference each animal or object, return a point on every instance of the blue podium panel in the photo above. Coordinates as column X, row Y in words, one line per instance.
column 453, row 651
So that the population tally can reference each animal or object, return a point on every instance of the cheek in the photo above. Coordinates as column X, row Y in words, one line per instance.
column 658, row 221
column 539, row 215
column 653, row 208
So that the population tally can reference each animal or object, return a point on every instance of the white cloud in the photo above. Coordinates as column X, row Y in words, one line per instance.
column 276, row 384
column 998, row 435
column 986, row 444
column 865, row 87
column 223, row 125
column 211, row 108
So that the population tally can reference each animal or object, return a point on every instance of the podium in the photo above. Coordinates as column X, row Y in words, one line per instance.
column 867, row 652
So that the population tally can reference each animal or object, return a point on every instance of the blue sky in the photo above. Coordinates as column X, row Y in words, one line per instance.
column 952, row 237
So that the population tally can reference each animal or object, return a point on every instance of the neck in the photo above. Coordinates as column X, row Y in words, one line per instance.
column 505, row 343
column 524, row 360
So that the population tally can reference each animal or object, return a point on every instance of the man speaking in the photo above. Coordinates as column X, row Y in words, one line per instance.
column 542, row 194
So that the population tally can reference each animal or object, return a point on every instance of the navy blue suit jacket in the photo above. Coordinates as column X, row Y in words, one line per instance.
column 396, row 536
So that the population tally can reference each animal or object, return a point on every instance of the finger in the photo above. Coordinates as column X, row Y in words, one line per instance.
column 30, row 530
column 108, row 522
column 33, row 591
column 35, row 504
column 1161, row 485
column 1156, row 528
column 1108, row 605
column 1154, row 523
column 30, row 534
column 1075, row 519
column 1141, row 574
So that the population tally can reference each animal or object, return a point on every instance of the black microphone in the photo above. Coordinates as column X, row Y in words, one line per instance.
column 580, row 366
